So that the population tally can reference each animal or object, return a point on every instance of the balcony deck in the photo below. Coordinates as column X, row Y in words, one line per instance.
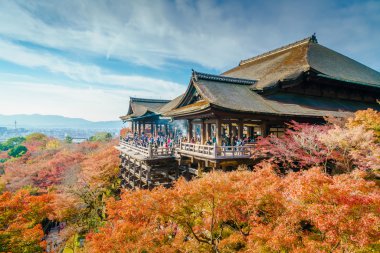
column 209, row 152
column 145, row 153
column 214, row 152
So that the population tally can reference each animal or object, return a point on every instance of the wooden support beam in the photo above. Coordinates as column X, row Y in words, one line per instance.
column 230, row 135
column 201, row 167
column 264, row 129
column 189, row 130
column 218, row 131
column 240, row 129
column 203, row 132
column 207, row 130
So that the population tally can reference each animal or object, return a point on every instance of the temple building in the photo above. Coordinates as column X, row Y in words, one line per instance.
column 145, row 116
column 303, row 81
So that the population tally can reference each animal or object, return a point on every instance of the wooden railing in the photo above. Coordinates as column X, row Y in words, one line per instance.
column 217, row 152
column 206, row 151
column 149, row 151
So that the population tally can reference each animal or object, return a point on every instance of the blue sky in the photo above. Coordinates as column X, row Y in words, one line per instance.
column 85, row 58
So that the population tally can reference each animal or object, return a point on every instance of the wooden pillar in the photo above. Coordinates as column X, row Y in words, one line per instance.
column 143, row 129
column 209, row 131
column 207, row 134
column 250, row 131
column 201, row 167
column 133, row 127
column 218, row 132
column 230, row 132
column 234, row 131
column 240, row 129
column 139, row 126
column 189, row 130
column 203, row 132
column 151, row 129
column 264, row 129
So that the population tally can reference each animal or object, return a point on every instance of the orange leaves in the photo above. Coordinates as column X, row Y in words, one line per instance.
column 124, row 131
column 245, row 211
column 101, row 168
column 20, row 218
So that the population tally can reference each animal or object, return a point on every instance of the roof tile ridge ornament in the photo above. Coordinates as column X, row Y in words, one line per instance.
column 218, row 78
column 312, row 38
column 194, row 75
column 151, row 100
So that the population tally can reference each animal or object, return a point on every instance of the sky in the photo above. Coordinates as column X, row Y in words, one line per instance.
column 86, row 58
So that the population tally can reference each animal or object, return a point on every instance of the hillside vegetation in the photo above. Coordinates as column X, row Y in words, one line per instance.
column 316, row 189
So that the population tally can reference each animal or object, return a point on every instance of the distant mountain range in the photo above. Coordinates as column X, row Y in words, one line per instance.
column 54, row 121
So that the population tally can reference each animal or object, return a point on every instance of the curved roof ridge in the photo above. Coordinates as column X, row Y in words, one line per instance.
column 280, row 49
column 149, row 100
column 219, row 78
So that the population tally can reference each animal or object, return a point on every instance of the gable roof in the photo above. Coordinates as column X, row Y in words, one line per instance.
column 292, row 61
column 225, row 94
column 139, row 107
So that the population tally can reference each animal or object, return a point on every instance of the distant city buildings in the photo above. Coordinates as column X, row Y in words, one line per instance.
column 78, row 135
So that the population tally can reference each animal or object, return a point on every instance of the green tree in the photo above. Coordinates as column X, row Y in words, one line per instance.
column 69, row 139
column 101, row 136
column 17, row 151
column 11, row 143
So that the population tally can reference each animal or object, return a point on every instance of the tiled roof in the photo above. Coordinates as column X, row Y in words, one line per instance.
column 292, row 61
column 139, row 107
column 241, row 98
column 219, row 78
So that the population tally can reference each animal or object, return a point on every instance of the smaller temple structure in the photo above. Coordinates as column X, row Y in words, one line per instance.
column 144, row 115
column 144, row 163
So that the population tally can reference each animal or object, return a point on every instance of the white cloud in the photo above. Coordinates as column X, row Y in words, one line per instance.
column 214, row 34
column 91, row 74
column 59, row 99
column 211, row 33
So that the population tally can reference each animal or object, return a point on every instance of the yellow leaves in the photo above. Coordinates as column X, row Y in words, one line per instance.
column 369, row 119
column 53, row 144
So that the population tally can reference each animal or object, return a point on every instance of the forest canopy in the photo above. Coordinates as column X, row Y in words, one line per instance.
column 315, row 189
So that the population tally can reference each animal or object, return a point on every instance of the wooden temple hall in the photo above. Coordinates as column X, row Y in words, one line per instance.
column 303, row 81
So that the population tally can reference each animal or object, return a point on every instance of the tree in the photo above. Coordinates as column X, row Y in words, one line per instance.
column 369, row 119
column 337, row 147
column 102, row 136
column 82, row 206
column 11, row 143
column 68, row 139
column 36, row 142
column 17, row 151
column 244, row 211
column 124, row 132
column 21, row 215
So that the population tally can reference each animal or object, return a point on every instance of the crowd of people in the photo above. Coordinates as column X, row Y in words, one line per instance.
column 226, row 140
column 162, row 140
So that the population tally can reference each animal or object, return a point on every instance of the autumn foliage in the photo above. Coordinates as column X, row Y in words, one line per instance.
column 246, row 211
column 71, row 183
column 21, row 215
column 338, row 148
column 315, row 189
